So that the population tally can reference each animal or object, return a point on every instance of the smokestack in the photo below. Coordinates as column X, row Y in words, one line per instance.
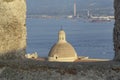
column 75, row 12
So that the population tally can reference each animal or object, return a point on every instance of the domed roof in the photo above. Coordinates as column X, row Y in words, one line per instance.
column 62, row 49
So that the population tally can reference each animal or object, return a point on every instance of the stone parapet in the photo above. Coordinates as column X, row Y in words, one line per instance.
column 41, row 70
column 12, row 28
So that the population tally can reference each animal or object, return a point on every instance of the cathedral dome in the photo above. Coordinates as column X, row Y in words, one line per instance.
column 62, row 51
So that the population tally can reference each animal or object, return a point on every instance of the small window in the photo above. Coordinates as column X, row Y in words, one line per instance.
column 56, row 57
column 33, row 57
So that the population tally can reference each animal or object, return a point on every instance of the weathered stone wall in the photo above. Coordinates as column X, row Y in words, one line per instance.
column 36, row 70
column 12, row 28
column 116, row 33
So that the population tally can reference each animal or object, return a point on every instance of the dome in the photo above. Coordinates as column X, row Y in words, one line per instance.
column 62, row 50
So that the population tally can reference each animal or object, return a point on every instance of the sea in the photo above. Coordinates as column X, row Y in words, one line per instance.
column 92, row 39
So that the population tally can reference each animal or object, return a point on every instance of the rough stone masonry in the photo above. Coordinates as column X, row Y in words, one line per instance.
column 116, row 33
column 12, row 28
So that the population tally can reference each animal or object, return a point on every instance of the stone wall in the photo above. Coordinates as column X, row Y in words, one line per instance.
column 12, row 28
column 116, row 33
column 36, row 70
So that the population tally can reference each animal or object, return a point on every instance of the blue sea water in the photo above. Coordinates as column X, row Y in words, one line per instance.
column 89, row 39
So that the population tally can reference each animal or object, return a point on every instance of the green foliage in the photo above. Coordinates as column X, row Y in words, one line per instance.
column 8, row 0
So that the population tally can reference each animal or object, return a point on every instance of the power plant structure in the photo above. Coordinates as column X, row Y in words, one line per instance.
column 75, row 9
